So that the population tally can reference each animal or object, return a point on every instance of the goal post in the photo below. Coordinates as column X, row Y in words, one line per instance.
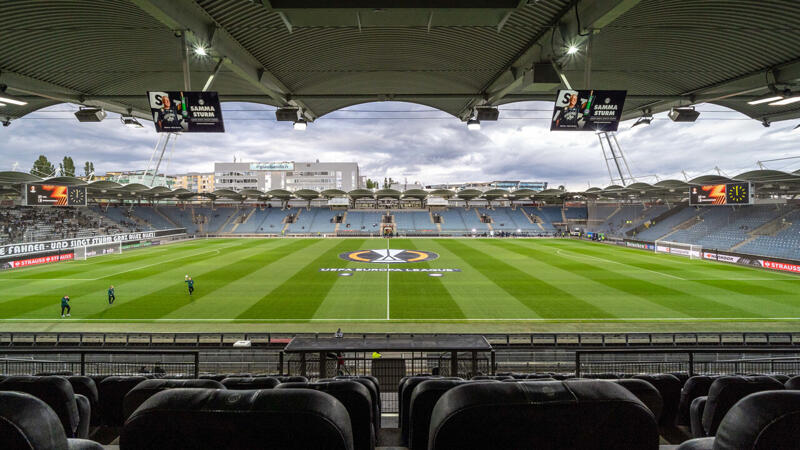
column 90, row 251
column 693, row 251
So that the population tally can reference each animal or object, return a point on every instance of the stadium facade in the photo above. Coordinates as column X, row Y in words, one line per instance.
column 291, row 176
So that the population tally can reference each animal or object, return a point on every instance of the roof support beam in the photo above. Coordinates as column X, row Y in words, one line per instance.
column 737, row 88
column 36, row 88
column 188, row 17
column 594, row 15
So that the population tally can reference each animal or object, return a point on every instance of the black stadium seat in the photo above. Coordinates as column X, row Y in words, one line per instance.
column 401, row 413
column 725, row 392
column 572, row 414
column 793, row 383
column 149, row 388
column 761, row 421
column 356, row 399
column 423, row 399
column 405, row 402
column 696, row 386
column 371, row 383
column 55, row 391
column 244, row 384
column 86, row 386
column 27, row 423
column 214, row 419
column 669, row 386
column 112, row 391
column 84, row 416
column 645, row 392
column 492, row 377
column 290, row 378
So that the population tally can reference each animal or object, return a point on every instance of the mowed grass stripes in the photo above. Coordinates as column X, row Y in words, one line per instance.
column 263, row 280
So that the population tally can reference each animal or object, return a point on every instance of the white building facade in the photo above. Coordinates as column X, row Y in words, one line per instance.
column 289, row 175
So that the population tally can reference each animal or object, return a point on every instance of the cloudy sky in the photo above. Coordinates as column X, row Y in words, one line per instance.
column 402, row 140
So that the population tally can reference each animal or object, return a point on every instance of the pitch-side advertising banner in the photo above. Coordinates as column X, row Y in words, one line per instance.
column 186, row 111
column 38, row 247
column 587, row 110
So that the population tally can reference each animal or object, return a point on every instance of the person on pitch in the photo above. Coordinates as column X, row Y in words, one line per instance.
column 190, row 283
column 111, row 296
column 65, row 305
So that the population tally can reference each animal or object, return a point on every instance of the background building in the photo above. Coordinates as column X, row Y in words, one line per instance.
column 195, row 182
column 138, row 176
column 292, row 176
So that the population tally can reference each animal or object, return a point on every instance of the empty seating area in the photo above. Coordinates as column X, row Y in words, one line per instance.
column 267, row 220
column 417, row 222
column 362, row 221
column 314, row 220
column 504, row 411
column 783, row 244
column 659, row 229
column 152, row 218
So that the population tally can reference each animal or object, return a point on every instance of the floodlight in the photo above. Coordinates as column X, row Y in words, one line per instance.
column 287, row 114
column 473, row 124
column 300, row 125
column 5, row 97
column 130, row 122
column 90, row 115
column 786, row 101
column 572, row 50
column 683, row 114
column 487, row 113
column 200, row 51
column 767, row 99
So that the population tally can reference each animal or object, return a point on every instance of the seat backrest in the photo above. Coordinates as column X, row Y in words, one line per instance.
column 245, row 384
column 291, row 378
column 646, row 393
column 492, row 377
column 726, row 391
column 696, row 386
column 219, row 418
column 573, row 414
column 26, row 422
column 780, row 377
column 762, row 421
column 88, row 388
column 55, row 391
column 793, row 383
column 375, row 395
column 401, row 407
column 423, row 399
column 149, row 388
column 669, row 387
column 112, row 392
column 356, row 399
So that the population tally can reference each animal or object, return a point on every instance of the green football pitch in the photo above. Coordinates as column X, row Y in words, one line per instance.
column 501, row 285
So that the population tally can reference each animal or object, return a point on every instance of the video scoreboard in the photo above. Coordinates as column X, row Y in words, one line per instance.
column 53, row 195
column 739, row 193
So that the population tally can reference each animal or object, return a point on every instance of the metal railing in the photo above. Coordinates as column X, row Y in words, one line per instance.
column 100, row 362
column 512, row 340
column 693, row 362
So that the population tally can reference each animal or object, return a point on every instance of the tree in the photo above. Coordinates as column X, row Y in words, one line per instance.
column 67, row 167
column 370, row 184
column 88, row 168
column 42, row 167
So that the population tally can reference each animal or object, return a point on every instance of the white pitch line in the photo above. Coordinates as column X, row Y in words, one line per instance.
column 160, row 262
column 48, row 279
column 559, row 251
column 387, row 282
column 555, row 320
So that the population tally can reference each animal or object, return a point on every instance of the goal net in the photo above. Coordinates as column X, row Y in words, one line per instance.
column 90, row 251
column 693, row 251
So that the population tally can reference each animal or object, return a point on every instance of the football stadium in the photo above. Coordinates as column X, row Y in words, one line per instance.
column 286, row 302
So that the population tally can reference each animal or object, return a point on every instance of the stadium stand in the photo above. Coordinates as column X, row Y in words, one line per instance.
column 662, row 229
column 362, row 221
column 152, row 218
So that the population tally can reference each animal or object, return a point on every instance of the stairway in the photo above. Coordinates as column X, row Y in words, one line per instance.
column 233, row 230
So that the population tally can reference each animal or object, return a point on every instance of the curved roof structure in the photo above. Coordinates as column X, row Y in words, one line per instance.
column 449, row 55
column 388, row 193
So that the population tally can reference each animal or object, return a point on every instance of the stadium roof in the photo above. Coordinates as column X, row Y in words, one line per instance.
column 454, row 58
column 767, row 182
